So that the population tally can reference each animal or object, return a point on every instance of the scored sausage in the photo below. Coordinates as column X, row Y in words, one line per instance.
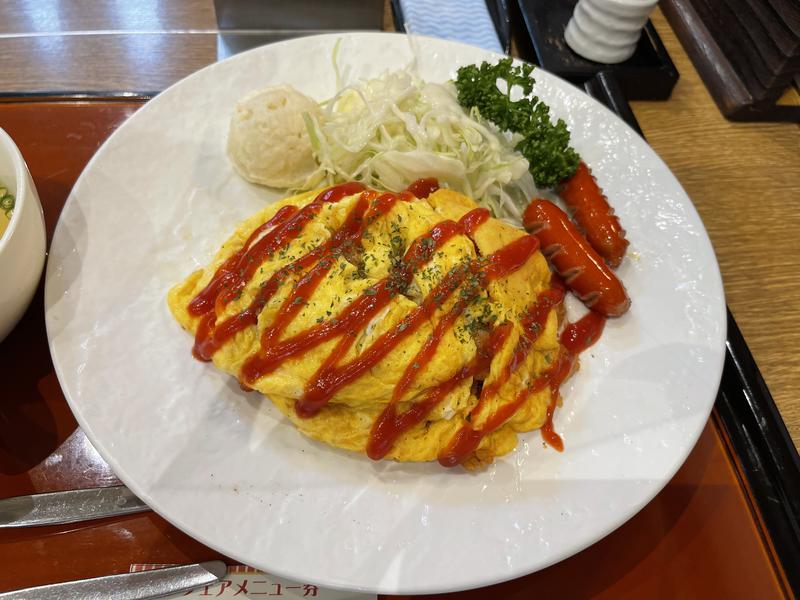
column 582, row 268
column 594, row 216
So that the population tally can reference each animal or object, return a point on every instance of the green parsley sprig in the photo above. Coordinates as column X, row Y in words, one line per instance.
column 545, row 144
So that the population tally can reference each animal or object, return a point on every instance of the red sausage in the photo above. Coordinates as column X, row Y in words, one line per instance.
column 575, row 260
column 591, row 211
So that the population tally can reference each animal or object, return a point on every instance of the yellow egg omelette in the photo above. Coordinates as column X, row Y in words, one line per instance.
column 402, row 327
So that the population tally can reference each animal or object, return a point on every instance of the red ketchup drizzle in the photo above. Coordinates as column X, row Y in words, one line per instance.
column 467, row 439
column 554, row 378
column 422, row 188
column 473, row 219
column 229, row 279
column 348, row 233
column 357, row 314
column 532, row 323
column 329, row 380
column 584, row 332
column 383, row 204
column 227, row 273
column 390, row 425
column 468, row 223
column 575, row 338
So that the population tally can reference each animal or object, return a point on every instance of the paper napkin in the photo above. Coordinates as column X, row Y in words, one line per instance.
column 465, row 21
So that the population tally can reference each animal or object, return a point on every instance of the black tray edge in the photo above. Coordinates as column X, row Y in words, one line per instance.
column 77, row 96
column 764, row 448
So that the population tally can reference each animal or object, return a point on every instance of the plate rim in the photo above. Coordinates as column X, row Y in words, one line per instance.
column 342, row 585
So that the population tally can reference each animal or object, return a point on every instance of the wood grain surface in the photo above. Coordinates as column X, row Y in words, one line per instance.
column 744, row 179
column 107, row 62
column 43, row 16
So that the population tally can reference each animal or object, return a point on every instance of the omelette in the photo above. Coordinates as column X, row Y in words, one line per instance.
column 410, row 326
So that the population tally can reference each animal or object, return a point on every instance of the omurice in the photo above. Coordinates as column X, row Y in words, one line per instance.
column 410, row 326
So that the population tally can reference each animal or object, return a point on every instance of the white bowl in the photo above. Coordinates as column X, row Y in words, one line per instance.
column 22, row 245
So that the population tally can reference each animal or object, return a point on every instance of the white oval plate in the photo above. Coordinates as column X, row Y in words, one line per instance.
column 160, row 197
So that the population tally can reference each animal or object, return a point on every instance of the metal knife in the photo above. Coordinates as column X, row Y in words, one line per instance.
column 56, row 508
column 128, row 586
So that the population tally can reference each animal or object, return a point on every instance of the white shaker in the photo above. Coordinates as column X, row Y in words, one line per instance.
column 607, row 31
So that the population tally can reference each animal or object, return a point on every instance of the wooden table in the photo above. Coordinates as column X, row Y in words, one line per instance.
column 744, row 179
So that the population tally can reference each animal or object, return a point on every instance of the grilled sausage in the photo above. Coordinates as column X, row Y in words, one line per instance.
column 591, row 211
column 575, row 260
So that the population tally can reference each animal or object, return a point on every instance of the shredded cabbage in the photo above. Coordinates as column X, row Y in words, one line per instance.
column 389, row 131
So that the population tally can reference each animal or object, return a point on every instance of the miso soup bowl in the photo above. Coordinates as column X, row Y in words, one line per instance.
column 22, row 245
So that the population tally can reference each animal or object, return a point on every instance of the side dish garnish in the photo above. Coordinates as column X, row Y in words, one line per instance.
column 390, row 130
column 545, row 144
column 267, row 139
